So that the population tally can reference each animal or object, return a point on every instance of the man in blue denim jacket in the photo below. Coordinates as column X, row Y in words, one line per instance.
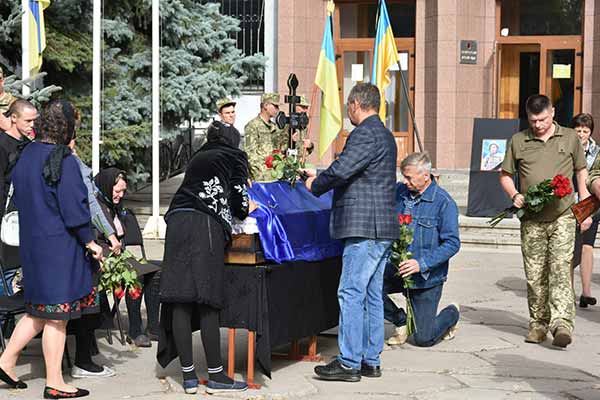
column 435, row 230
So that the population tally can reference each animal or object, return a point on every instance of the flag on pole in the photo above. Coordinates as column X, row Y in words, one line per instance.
column 326, row 80
column 385, row 55
column 37, row 33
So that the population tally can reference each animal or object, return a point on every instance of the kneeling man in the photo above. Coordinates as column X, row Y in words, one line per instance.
column 434, row 222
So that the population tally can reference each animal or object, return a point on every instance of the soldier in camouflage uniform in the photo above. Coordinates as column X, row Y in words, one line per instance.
column 6, row 99
column 301, row 136
column 262, row 137
column 541, row 152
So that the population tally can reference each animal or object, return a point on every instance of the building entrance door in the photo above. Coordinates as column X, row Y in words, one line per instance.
column 354, row 62
column 552, row 67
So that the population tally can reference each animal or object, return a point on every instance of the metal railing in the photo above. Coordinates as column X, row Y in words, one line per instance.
column 251, row 37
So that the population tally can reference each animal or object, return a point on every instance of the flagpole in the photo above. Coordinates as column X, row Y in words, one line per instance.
column 410, row 108
column 25, row 66
column 96, row 82
column 155, row 227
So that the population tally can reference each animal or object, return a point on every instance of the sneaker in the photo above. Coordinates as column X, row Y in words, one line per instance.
column 213, row 387
column 370, row 371
column 562, row 337
column 400, row 337
column 451, row 333
column 140, row 341
column 79, row 373
column 335, row 371
column 536, row 335
column 190, row 386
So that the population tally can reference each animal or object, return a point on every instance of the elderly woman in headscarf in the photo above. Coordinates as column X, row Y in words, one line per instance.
column 56, row 241
column 112, row 186
column 198, row 229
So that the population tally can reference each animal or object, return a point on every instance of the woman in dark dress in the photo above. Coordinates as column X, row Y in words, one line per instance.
column 112, row 185
column 54, row 232
column 198, row 229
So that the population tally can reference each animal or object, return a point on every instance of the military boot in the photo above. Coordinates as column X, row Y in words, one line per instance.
column 536, row 334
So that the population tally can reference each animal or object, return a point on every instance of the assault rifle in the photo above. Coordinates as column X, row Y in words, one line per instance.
column 585, row 208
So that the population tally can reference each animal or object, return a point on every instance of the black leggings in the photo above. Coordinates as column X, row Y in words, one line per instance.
column 209, row 327
column 84, row 338
column 150, row 287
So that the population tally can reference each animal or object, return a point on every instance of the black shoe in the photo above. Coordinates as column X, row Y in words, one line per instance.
column 334, row 371
column 370, row 371
column 11, row 382
column 585, row 301
column 51, row 393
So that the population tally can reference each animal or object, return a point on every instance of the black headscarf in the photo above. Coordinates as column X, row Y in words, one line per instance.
column 105, row 181
column 53, row 165
column 225, row 134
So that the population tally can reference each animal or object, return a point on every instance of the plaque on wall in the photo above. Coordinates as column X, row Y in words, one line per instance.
column 468, row 51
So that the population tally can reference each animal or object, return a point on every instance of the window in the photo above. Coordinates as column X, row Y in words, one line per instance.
column 251, row 37
column 359, row 20
column 541, row 17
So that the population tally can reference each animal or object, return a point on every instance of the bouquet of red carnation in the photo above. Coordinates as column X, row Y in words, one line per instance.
column 399, row 254
column 284, row 168
column 119, row 277
column 537, row 197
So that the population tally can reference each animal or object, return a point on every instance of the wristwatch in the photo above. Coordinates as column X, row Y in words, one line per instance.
column 515, row 195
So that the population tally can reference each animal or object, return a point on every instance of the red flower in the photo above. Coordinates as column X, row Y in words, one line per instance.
column 404, row 219
column 135, row 292
column 119, row 293
column 269, row 161
column 561, row 186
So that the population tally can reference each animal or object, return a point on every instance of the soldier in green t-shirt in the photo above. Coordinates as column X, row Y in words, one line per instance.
column 541, row 152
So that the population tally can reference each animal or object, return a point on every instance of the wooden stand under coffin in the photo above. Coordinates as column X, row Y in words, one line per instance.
column 245, row 249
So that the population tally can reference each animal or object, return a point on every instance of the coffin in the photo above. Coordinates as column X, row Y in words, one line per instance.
column 244, row 249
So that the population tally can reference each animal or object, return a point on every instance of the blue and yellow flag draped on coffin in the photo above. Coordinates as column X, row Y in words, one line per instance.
column 37, row 33
column 385, row 55
column 326, row 80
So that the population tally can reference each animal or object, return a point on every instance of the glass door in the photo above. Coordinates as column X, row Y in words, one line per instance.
column 560, row 84
column 354, row 66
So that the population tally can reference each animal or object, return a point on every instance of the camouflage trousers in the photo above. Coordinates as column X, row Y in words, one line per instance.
column 547, row 249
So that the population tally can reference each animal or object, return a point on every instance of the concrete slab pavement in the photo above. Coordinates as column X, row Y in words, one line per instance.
column 488, row 359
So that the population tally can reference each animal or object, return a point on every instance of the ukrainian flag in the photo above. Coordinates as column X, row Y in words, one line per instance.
column 326, row 80
column 385, row 55
column 37, row 33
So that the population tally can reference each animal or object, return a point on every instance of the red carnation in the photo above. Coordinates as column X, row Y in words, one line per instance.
column 269, row 161
column 119, row 293
column 135, row 293
column 404, row 219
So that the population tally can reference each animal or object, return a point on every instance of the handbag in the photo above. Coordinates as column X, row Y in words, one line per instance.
column 9, row 230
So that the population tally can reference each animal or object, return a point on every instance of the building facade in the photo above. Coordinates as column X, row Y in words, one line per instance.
column 460, row 59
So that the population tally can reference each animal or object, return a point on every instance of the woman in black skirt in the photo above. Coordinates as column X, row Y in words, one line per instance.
column 198, row 229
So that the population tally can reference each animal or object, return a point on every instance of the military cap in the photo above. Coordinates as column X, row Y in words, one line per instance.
column 224, row 102
column 304, row 101
column 272, row 98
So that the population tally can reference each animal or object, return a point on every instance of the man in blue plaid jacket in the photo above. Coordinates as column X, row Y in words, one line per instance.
column 363, row 180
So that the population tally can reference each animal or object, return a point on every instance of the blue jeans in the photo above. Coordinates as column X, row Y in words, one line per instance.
column 430, row 326
column 361, row 334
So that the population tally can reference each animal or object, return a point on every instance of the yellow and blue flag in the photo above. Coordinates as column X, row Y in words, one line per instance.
column 37, row 33
column 385, row 55
column 326, row 80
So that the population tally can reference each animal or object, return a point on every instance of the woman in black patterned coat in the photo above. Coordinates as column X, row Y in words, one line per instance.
column 198, row 229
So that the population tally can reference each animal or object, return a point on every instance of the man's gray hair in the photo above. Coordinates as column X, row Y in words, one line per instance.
column 366, row 95
column 421, row 161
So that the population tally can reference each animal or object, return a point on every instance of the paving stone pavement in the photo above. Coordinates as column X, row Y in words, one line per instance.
column 488, row 359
